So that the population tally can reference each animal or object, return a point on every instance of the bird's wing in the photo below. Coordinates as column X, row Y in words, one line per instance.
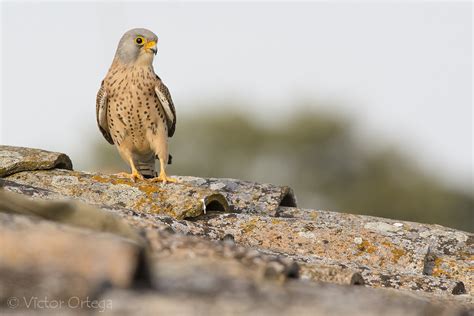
column 101, row 113
column 167, row 103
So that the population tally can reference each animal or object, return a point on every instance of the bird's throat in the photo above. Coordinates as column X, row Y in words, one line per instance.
column 144, row 59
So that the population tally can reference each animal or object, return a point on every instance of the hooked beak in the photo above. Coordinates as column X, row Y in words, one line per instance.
column 151, row 46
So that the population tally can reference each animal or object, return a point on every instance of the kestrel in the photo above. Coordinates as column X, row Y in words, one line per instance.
column 134, row 108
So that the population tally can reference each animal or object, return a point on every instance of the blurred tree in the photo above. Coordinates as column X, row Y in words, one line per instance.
column 317, row 155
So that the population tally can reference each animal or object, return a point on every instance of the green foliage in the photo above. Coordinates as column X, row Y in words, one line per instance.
column 317, row 155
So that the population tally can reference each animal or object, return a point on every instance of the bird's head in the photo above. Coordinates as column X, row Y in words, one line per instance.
column 137, row 46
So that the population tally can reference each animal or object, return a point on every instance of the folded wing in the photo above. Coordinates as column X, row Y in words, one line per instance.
column 167, row 103
column 101, row 113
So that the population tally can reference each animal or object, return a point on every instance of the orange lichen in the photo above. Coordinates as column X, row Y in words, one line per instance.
column 397, row 253
column 148, row 189
column 148, row 200
column 437, row 271
column 365, row 246
column 112, row 180
column 140, row 203
column 276, row 221
column 248, row 227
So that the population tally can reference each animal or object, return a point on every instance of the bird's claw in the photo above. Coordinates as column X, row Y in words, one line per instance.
column 163, row 178
column 134, row 176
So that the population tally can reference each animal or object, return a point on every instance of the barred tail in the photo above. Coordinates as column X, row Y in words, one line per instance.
column 146, row 167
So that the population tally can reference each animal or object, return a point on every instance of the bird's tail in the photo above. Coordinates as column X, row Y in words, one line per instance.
column 146, row 167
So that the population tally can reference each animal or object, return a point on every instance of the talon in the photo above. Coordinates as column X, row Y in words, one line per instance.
column 134, row 176
column 164, row 178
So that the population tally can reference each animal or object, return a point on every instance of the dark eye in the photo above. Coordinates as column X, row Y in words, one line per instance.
column 139, row 40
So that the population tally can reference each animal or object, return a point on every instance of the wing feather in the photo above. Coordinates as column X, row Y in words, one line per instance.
column 101, row 113
column 167, row 103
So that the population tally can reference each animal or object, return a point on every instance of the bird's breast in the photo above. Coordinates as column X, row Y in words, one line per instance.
column 135, row 110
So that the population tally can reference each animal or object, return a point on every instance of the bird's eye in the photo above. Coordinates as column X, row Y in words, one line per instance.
column 139, row 40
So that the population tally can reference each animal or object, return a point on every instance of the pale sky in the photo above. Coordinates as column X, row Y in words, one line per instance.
column 402, row 69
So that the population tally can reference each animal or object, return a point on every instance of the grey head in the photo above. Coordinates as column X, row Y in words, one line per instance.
column 137, row 46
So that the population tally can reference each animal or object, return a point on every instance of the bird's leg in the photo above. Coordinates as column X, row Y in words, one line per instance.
column 163, row 177
column 134, row 175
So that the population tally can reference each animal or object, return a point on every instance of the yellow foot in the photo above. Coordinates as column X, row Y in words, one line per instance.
column 133, row 176
column 163, row 178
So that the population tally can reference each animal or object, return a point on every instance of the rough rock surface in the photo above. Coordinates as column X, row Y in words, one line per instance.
column 16, row 159
column 246, row 196
column 60, row 261
column 210, row 246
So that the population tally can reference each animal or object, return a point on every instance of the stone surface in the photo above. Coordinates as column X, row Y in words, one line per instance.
column 16, row 159
column 398, row 247
column 177, row 200
column 342, row 239
column 41, row 258
column 186, row 199
column 246, row 196
column 139, row 248
column 266, row 298
column 67, row 212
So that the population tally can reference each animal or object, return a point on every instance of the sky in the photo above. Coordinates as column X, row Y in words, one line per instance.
column 403, row 69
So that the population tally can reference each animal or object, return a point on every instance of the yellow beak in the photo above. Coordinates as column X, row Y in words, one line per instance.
column 151, row 45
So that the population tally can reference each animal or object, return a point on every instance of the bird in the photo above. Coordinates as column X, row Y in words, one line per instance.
column 134, row 109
